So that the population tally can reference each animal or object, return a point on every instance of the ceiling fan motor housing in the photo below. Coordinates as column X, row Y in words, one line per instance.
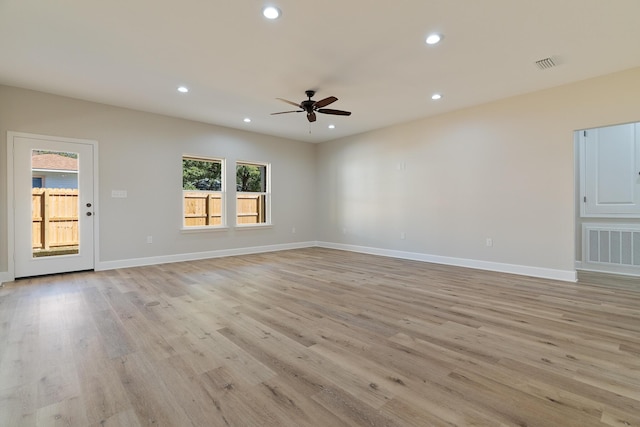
column 308, row 106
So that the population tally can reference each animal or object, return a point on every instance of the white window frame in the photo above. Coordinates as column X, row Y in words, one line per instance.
column 222, row 192
column 267, row 194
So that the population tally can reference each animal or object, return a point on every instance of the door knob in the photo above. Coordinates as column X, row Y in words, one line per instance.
column 88, row 205
column 89, row 213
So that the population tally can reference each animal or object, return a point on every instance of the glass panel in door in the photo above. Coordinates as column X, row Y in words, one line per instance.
column 55, row 203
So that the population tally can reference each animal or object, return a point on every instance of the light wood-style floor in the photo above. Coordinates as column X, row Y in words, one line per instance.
column 318, row 337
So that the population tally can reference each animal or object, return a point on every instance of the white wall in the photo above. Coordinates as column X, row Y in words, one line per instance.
column 142, row 153
column 503, row 170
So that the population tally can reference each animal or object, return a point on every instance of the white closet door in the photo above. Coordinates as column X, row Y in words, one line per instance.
column 611, row 183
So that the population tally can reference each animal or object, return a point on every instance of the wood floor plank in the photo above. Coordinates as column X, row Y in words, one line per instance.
column 152, row 401
column 511, row 406
column 195, row 353
column 57, row 382
column 102, row 391
column 68, row 412
column 126, row 418
column 318, row 337
column 18, row 405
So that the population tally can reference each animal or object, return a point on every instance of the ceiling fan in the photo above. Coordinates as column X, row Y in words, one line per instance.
column 312, row 107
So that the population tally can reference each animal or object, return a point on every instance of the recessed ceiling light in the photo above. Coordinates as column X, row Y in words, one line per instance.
column 271, row 12
column 436, row 96
column 434, row 38
column 247, row 120
column 332, row 126
column 183, row 89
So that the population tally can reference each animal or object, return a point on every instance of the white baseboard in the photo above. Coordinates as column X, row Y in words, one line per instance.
column 605, row 268
column 5, row 277
column 140, row 262
column 522, row 270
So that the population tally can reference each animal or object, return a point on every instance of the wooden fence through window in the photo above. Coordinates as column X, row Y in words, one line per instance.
column 250, row 208
column 54, row 216
column 204, row 208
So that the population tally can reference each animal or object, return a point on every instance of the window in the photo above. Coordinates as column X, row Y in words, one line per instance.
column 36, row 182
column 253, row 193
column 203, row 192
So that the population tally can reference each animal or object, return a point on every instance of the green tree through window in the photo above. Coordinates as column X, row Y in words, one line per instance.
column 204, row 175
column 250, row 178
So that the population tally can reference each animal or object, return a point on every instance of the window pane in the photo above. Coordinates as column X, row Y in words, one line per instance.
column 251, row 178
column 55, row 207
column 199, row 174
column 252, row 200
column 251, row 209
column 202, row 208
column 202, row 192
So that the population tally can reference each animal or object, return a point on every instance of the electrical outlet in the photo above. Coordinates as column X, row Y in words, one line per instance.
column 489, row 241
column 149, row 239
column 293, row 230
column 403, row 235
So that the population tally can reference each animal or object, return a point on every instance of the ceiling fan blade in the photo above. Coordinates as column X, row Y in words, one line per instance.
column 335, row 112
column 325, row 102
column 311, row 117
column 285, row 112
column 290, row 102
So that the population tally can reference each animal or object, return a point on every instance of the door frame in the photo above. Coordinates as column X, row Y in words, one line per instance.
column 11, row 136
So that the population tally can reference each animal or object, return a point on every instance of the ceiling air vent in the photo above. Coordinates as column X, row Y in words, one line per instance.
column 545, row 63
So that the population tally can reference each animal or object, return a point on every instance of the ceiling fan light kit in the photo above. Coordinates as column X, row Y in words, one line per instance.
column 312, row 107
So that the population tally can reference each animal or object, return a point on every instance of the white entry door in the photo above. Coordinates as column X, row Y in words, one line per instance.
column 53, row 180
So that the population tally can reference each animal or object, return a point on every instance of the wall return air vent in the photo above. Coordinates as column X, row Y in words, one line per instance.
column 545, row 63
column 611, row 247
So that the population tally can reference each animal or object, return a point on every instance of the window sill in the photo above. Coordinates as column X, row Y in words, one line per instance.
column 203, row 229
column 252, row 226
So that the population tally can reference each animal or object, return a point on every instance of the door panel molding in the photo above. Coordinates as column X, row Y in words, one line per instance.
column 12, row 138
column 609, row 166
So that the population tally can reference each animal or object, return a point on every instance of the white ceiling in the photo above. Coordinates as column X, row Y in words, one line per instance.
column 371, row 55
